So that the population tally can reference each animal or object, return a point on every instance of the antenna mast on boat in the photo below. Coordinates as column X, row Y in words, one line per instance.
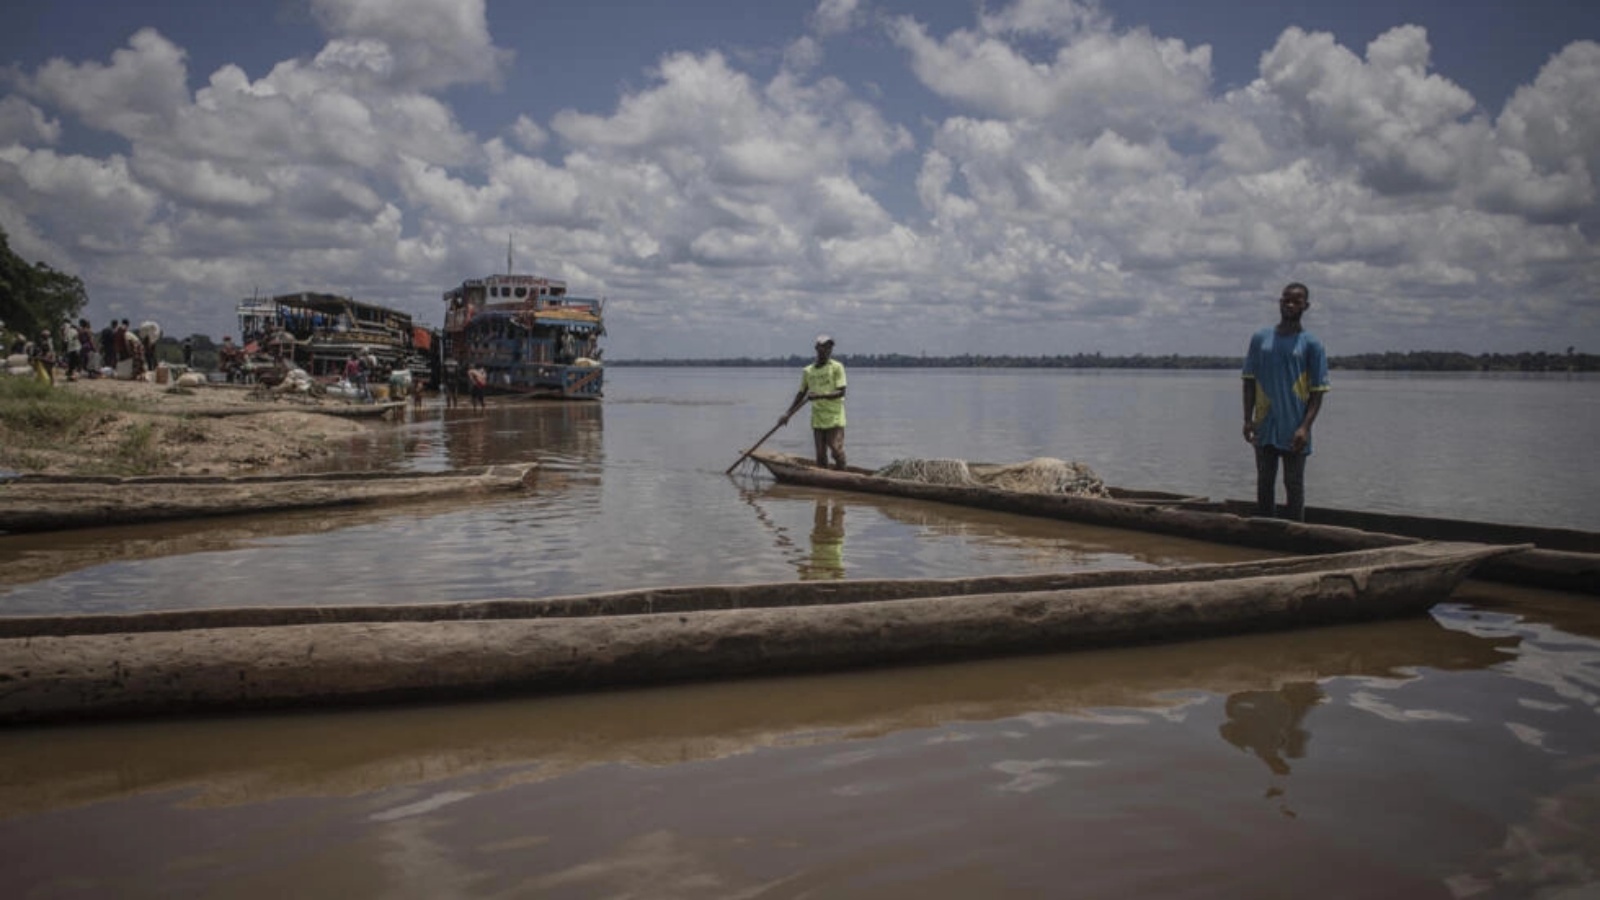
column 509, row 270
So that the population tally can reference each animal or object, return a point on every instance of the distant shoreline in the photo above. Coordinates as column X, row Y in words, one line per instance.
column 1412, row 361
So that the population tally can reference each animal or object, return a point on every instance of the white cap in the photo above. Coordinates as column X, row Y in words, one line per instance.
column 823, row 339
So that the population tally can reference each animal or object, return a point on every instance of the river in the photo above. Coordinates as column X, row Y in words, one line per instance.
column 1451, row 756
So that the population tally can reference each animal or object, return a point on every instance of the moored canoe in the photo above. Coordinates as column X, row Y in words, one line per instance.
column 94, row 666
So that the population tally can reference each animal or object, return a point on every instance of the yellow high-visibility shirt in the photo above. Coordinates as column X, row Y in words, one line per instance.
column 825, row 379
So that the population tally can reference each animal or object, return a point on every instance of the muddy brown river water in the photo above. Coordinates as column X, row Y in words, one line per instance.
column 1450, row 756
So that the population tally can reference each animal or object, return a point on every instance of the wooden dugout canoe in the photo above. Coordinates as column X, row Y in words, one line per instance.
column 48, row 503
column 224, row 659
column 242, row 763
column 1554, row 558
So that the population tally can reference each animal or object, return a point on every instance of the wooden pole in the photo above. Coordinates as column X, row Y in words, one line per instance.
column 746, row 455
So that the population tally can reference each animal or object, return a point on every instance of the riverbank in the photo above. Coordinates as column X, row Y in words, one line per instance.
column 109, row 427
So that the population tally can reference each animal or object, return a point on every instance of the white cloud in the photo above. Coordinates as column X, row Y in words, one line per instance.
column 93, row 199
column 1403, row 128
column 23, row 123
column 528, row 134
column 1073, row 177
column 202, row 183
column 836, row 16
column 138, row 93
column 1060, row 19
column 1097, row 79
column 412, row 44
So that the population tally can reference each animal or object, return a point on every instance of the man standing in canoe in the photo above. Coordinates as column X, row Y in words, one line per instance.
column 822, row 385
column 1285, row 376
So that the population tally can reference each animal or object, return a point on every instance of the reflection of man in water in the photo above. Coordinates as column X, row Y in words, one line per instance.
column 1267, row 723
column 827, row 543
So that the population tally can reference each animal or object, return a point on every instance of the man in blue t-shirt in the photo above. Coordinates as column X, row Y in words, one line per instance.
column 1285, row 377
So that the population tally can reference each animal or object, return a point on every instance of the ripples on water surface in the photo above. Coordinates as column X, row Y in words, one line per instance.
column 1452, row 757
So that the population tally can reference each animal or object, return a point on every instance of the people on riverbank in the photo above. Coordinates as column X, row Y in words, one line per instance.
column 1285, row 377
column 42, row 357
column 355, row 372
column 88, row 357
column 108, row 345
column 230, row 359
column 822, row 384
column 450, row 383
column 477, row 382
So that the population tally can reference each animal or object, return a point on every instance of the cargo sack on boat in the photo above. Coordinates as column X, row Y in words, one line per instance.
column 1043, row 475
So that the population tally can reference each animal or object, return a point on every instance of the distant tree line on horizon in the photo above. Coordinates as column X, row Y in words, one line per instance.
column 1411, row 361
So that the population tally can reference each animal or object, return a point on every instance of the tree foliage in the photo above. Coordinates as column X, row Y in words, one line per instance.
column 35, row 297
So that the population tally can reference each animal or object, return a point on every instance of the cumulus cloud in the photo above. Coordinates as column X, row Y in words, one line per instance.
column 23, row 123
column 412, row 44
column 1074, row 177
column 1095, row 79
column 836, row 16
column 138, row 93
column 1399, row 125
column 528, row 134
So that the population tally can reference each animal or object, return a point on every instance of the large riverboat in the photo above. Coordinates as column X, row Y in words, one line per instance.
column 528, row 336
column 319, row 332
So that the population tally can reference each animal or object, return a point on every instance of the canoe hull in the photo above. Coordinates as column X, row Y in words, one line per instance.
column 46, row 503
column 1558, row 559
column 61, row 672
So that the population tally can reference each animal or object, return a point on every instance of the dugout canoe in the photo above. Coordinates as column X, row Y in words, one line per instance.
column 32, row 503
column 70, row 667
column 242, row 762
column 1554, row 558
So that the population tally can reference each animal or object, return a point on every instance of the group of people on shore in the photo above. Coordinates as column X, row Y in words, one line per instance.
column 83, row 353
column 475, row 381
column 1285, row 378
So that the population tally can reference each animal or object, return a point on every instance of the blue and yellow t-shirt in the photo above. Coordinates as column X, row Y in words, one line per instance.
column 1287, row 369
column 825, row 379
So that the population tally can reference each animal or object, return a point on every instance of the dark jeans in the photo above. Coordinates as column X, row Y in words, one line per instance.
column 1294, row 483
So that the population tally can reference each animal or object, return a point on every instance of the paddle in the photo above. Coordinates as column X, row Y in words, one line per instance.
column 792, row 410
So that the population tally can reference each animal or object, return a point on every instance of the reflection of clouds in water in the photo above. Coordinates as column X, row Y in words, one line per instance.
column 1529, row 735
column 1181, row 705
column 1110, row 717
column 849, row 758
column 1555, row 852
column 658, row 864
column 1372, row 703
column 1039, row 719
column 1379, row 683
column 1030, row 775
column 950, row 737
column 859, row 789
column 1567, row 664
column 426, row 805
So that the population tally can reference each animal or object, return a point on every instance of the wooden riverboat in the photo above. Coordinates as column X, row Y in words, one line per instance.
column 31, row 503
column 1555, row 558
column 319, row 332
column 530, row 337
column 65, row 667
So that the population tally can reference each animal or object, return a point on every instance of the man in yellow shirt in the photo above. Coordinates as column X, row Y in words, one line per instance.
column 822, row 385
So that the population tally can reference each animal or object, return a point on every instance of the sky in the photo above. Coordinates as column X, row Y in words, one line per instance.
column 734, row 177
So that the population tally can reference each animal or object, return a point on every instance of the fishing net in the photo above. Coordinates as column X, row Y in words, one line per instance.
column 929, row 471
column 1036, row 476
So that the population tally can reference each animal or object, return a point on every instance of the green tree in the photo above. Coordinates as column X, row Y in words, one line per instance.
column 35, row 297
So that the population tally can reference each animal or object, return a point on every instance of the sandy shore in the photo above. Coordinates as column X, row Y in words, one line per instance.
column 280, row 432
